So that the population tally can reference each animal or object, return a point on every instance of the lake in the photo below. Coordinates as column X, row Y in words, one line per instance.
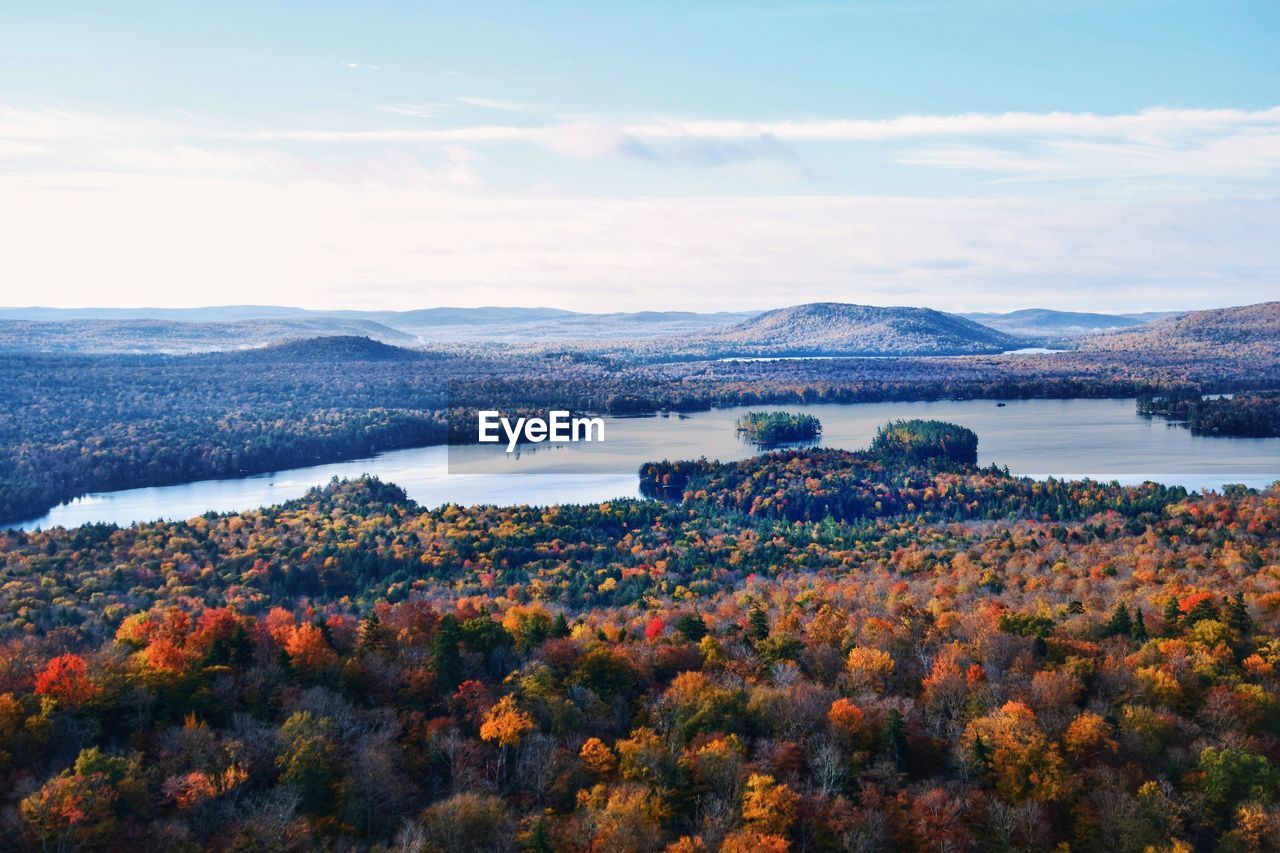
column 1101, row 439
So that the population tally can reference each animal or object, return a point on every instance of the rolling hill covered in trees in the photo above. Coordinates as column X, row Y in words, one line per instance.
column 828, row 328
column 179, row 330
column 835, row 328
column 818, row 328
column 1044, row 325
column 173, row 337
column 1220, row 332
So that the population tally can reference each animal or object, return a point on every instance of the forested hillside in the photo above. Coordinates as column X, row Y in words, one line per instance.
column 1220, row 333
column 1047, row 326
column 167, row 336
column 834, row 328
column 811, row 650
column 173, row 330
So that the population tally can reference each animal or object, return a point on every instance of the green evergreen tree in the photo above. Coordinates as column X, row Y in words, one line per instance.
column 893, row 738
column 1121, row 623
column 1139, row 632
column 370, row 636
column 446, row 662
column 539, row 838
column 757, row 623
column 692, row 626
column 235, row 650
column 307, row 760
column 1204, row 610
column 325, row 631
column 1172, row 616
column 981, row 757
column 1238, row 617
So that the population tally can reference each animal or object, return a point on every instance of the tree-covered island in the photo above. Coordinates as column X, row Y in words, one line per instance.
column 770, row 429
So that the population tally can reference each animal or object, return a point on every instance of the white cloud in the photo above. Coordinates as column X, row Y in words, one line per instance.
column 189, row 213
column 1224, row 143
column 49, row 124
column 180, row 159
column 1150, row 124
column 978, row 158
column 1247, row 152
column 412, row 110
column 498, row 104
column 1157, row 141
column 170, row 240
column 1157, row 121
column 10, row 148
column 480, row 133
column 587, row 139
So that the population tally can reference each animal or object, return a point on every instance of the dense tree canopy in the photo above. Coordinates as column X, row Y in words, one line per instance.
column 921, row 441
column 769, row 429
column 810, row 650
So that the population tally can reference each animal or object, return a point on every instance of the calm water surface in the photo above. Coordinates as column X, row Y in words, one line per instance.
column 1101, row 439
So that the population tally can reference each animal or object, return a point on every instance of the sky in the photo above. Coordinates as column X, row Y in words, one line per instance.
column 967, row 156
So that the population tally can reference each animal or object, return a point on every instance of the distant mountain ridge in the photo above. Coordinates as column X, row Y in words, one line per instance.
column 442, row 316
column 812, row 329
column 185, row 330
column 208, row 314
column 331, row 348
column 423, row 317
column 1045, row 325
column 838, row 328
column 149, row 335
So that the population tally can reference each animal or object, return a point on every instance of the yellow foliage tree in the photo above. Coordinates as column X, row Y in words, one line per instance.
column 748, row 841
column 597, row 757
column 643, row 756
column 1024, row 763
column 1088, row 735
column 767, row 806
column 506, row 723
column 869, row 668
column 626, row 818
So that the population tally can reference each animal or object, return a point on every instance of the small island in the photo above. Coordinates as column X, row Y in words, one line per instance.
column 770, row 429
column 920, row 441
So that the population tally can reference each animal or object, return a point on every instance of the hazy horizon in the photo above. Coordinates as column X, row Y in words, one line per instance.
column 725, row 155
column 512, row 307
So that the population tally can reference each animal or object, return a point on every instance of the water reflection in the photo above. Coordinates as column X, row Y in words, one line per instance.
column 1101, row 439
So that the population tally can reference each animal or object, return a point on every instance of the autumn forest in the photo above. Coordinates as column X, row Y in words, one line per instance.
column 808, row 650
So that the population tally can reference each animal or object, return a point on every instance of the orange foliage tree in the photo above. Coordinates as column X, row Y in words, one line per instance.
column 66, row 678
column 1025, row 764
column 768, row 807
column 506, row 723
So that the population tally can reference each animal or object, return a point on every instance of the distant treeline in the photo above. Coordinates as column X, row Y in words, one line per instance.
column 1255, row 414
